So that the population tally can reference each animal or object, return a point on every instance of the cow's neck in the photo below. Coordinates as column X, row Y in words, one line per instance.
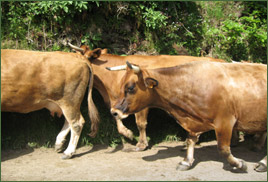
column 106, row 81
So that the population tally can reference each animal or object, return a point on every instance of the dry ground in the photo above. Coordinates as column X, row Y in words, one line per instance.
column 105, row 163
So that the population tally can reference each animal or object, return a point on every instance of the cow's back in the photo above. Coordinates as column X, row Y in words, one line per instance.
column 237, row 89
column 107, row 82
column 162, row 61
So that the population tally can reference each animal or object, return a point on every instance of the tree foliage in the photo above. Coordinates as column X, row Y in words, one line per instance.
column 224, row 29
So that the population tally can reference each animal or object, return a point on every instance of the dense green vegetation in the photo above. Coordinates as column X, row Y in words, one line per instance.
column 222, row 29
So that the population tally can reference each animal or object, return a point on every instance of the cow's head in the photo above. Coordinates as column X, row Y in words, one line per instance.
column 90, row 54
column 136, row 91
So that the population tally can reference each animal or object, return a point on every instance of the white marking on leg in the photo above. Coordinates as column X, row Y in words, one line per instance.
column 63, row 133
column 264, row 161
column 72, row 145
column 74, row 136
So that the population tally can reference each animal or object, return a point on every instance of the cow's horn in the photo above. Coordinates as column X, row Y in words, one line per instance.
column 117, row 68
column 75, row 47
column 136, row 69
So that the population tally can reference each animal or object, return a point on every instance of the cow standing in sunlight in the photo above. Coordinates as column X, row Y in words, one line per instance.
column 201, row 96
column 107, row 82
column 32, row 80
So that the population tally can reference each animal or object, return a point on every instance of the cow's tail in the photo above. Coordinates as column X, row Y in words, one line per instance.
column 92, row 110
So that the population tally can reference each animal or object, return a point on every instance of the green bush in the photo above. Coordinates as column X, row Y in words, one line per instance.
column 235, row 32
column 224, row 29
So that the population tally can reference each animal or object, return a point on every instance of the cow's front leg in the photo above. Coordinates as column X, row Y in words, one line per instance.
column 189, row 159
column 118, row 115
column 141, row 121
column 123, row 130
column 61, row 136
column 223, row 129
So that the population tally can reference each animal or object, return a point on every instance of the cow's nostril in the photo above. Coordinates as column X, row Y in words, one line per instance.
column 115, row 114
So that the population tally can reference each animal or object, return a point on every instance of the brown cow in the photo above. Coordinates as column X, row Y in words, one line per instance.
column 202, row 96
column 107, row 82
column 32, row 80
column 108, row 85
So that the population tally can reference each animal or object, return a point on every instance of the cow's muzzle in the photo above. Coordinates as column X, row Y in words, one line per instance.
column 118, row 114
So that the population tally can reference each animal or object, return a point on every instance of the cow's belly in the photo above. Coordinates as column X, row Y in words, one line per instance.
column 21, row 108
column 192, row 125
column 52, row 107
column 16, row 102
column 22, row 105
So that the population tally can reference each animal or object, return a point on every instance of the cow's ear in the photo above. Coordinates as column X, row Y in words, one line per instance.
column 104, row 51
column 95, row 53
column 150, row 82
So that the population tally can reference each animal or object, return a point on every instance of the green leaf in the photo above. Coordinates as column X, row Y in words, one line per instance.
column 65, row 9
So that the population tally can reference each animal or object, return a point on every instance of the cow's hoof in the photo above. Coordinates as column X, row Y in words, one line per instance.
column 64, row 157
column 244, row 166
column 260, row 167
column 58, row 148
column 141, row 147
column 183, row 166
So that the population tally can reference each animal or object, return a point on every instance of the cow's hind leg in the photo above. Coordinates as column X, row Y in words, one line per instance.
column 223, row 129
column 141, row 121
column 61, row 136
column 76, row 122
column 189, row 159
column 259, row 141
column 235, row 138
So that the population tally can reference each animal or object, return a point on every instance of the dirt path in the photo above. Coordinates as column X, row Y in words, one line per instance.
column 104, row 163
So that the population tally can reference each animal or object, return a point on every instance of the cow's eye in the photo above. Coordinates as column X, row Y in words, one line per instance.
column 131, row 88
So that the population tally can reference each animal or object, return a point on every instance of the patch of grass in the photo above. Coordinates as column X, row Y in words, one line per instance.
column 36, row 128
column 163, row 127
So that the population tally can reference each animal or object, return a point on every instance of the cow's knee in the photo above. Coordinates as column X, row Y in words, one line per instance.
column 141, row 125
column 77, row 124
column 77, row 128
column 123, row 130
